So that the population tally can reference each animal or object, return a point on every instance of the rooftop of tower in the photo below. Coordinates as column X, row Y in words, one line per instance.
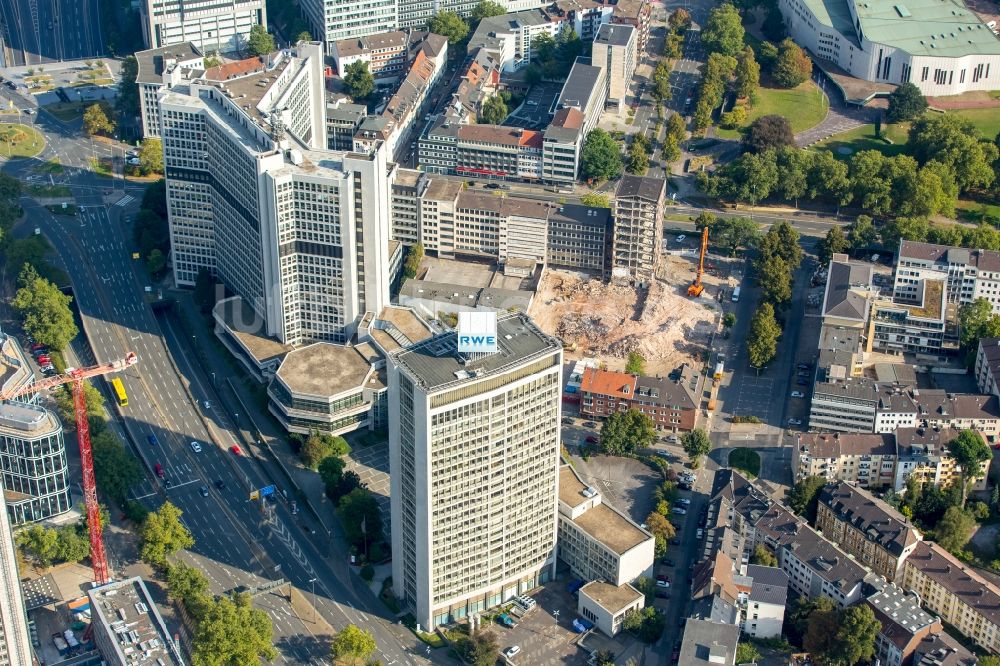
column 435, row 364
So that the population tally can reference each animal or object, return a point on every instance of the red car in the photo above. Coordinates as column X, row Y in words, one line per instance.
column 159, row 470
column 236, row 450
column 44, row 360
column 37, row 346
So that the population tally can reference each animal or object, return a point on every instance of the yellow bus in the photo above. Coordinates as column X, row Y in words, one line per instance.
column 116, row 383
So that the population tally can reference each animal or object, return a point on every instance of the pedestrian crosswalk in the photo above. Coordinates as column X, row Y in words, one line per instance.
column 125, row 200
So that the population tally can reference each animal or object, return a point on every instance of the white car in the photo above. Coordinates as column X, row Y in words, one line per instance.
column 684, row 500
column 681, row 238
column 798, row 394
column 511, row 651
column 196, row 447
column 662, row 583
column 795, row 422
column 679, row 511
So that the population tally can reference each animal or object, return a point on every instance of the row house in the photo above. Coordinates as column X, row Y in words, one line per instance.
column 670, row 403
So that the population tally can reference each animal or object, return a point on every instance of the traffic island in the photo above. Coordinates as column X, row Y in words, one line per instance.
column 20, row 140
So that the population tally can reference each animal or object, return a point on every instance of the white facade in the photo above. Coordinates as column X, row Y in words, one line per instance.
column 474, row 455
column 299, row 232
column 15, row 646
column 763, row 620
column 941, row 47
column 615, row 51
column 607, row 606
column 211, row 25
column 333, row 20
column 968, row 274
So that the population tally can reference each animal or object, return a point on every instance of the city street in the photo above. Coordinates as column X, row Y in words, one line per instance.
column 39, row 31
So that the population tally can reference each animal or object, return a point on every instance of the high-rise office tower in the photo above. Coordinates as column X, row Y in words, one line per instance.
column 15, row 646
column 211, row 25
column 333, row 20
column 33, row 463
column 474, row 458
column 298, row 231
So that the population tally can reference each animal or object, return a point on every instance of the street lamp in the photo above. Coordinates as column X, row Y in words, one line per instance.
column 312, row 593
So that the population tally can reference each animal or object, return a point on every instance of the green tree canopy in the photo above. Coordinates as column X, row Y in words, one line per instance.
column 486, row 9
column 44, row 310
column 414, row 255
column 163, row 534
column 127, row 101
column 636, row 364
column 96, row 121
column 361, row 518
column 259, row 42
column 151, row 156
column 115, row 469
column 976, row 320
column 450, row 25
column 601, row 158
column 319, row 446
column 647, row 624
column 804, row 496
column 495, row 110
column 479, row 649
column 185, row 583
column 792, row 67
column 231, row 631
column 771, row 131
column 854, row 640
column 763, row 556
column 623, row 433
column 762, row 341
column 696, row 444
column 359, row 80
column 747, row 653
column 954, row 529
column 679, row 20
column 970, row 450
column 353, row 642
column 596, row 200
column 906, row 103
column 660, row 527
column 956, row 143
column 782, row 240
column 723, row 32
column 638, row 159
column 775, row 281
column 835, row 242
column 747, row 73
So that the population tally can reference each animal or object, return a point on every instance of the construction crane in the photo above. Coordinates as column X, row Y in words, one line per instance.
column 697, row 287
column 75, row 376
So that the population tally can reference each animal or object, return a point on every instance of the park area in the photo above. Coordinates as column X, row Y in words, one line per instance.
column 20, row 140
column 805, row 106
column 745, row 460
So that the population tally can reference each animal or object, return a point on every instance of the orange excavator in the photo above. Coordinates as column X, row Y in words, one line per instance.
column 697, row 287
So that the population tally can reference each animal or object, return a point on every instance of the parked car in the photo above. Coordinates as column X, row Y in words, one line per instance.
column 511, row 651
column 679, row 511
column 681, row 238
column 666, row 561
column 675, row 542
column 804, row 366
column 661, row 581
column 591, row 440
column 683, row 500
column 590, row 424
column 802, row 382
column 798, row 394
column 794, row 422
column 220, row 484
column 662, row 594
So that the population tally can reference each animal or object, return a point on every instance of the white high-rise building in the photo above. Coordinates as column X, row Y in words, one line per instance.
column 15, row 646
column 474, row 467
column 300, row 233
column 333, row 20
column 211, row 25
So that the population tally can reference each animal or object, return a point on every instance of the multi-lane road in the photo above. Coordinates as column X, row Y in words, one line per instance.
column 35, row 32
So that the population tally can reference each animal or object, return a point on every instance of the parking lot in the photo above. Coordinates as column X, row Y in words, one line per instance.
column 534, row 113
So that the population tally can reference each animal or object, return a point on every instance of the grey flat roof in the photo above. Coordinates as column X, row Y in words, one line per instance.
column 709, row 643
column 323, row 370
column 435, row 364
column 128, row 605
column 248, row 327
column 151, row 62
column 614, row 34
column 612, row 598
column 580, row 84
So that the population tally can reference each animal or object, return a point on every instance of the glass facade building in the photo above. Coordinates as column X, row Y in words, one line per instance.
column 33, row 463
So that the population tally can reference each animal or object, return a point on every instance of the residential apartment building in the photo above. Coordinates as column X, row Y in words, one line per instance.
column 638, row 229
column 903, row 625
column 210, row 25
column 474, row 466
column 15, row 646
column 927, row 327
column 578, row 237
column 159, row 69
column 873, row 532
column 764, row 608
column 636, row 13
column 508, row 37
column 343, row 120
column 708, row 643
column 335, row 20
column 597, row 541
column 868, row 460
column 298, row 232
column 968, row 274
column 615, row 51
column 815, row 567
column 387, row 54
column 33, row 463
column 953, row 591
column 672, row 404
column 923, row 453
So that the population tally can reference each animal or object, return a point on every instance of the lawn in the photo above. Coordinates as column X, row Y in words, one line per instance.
column 49, row 191
column 101, row 166
column 861, row 138
column 746, row 460
column 49, row 166
column 804, row 107
column 65, row 111
column 977, row 211
column 986, row 120
column 20, row 140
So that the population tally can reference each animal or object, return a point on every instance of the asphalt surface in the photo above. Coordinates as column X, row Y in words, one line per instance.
column 39, row 31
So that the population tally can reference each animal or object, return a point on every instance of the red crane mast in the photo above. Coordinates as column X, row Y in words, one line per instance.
column 75, row 376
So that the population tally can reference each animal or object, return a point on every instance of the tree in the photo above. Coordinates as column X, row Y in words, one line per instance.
column 185, row 583
column 906, row 103
column 414, row 255
column 638, row 160
column 354, row 642
column 763, row 556
column 625, row 432
column 734, row 233
column 659, row 526
column 723, row 32
column 747, row 74
column 762, row 342
column 151, row 156
column 319, row 446
column 601, row 158
column 156, row 263
column 775, row 281
column 835, row 242
column 747, row 653
column 486, row 9
column 954, row 529
column 232, row 631
column 792, row 67
column 127, row 101
column 303, row 36
column 861, row 233
column 39, row 543
column 954, row 142
column 821, row 629
column 680, row 20
column 204, row 291
column 115, row 469
column 607, row 658
column 696, row 444
column 478, row 649
column 804, row 496
column 495, row 110
column 163, row 534
column 647, row 624
column 975, row 321
column 769, row 131
column 854, row 640
column 729, row 320
column 827, row 178
column 44, row 311
column 259, row 42
column 969, row 450
column 782, row 240
column 359, row 80
column 96, row 121
column 774, row 25
column 636, row 364
column 361, row 517
column 450, row 25
column 596, row 200
column 661, row 83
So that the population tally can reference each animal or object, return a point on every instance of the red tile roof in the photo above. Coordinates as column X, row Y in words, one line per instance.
column 233, row 69
column 606, row 382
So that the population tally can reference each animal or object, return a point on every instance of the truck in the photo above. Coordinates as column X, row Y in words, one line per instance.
column 736, row 294
column 719, row 367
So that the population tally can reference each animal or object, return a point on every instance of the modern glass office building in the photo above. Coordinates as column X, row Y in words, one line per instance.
column 33, row 463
